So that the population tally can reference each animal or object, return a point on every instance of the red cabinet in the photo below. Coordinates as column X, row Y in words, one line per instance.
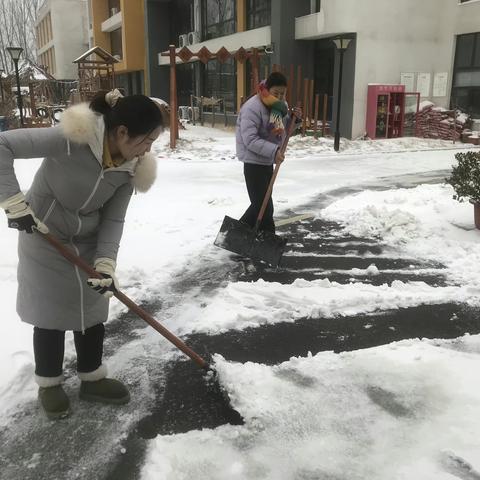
column 385, row 111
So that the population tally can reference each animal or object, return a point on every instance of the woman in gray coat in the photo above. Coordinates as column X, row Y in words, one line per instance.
column 92, row 163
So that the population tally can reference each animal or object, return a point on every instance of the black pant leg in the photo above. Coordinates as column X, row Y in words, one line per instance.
column 257, row 178
column 89, row 347
column 48, row 349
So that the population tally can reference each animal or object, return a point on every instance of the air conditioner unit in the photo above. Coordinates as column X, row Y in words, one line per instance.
column 193, row 37
column 183, row 112
column 183, row 40
column 193, row 112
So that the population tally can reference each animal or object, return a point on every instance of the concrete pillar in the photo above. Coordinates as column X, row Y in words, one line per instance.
column 286, row 50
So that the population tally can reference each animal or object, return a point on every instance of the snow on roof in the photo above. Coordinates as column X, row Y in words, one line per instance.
column 103, row 54
column 33, row 71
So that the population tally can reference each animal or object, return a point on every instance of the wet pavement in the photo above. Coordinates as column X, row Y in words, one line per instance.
column 107, row 444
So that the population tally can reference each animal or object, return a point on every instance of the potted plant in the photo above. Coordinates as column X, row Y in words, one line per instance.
column 465, row 180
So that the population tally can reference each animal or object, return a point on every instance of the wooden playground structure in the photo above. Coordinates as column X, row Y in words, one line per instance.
column 44, row 98
column 95, row 72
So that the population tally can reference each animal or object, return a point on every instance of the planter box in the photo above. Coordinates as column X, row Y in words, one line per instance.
column 476, row 214
column 465, row 134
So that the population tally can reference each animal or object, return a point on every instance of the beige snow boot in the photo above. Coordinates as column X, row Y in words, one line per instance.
column 52, row 397
column 95, row 387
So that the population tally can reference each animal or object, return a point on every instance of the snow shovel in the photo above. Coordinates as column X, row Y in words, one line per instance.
column 238, row 237
column 80, row 263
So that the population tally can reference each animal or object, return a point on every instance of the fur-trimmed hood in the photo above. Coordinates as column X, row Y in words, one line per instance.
column 81, row 125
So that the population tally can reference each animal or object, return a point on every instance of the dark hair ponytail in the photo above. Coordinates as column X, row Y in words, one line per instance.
column 138, row 113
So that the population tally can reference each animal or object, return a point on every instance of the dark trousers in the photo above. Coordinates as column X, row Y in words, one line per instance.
column 258, row 178
column 49, row 348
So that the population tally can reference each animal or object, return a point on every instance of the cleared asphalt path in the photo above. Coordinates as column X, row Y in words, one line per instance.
column 104, row 443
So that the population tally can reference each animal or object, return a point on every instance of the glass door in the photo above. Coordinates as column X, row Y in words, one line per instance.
column 381, row 125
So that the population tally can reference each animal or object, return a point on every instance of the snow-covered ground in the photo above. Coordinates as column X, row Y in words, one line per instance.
column 386, row 412
column 401, row 411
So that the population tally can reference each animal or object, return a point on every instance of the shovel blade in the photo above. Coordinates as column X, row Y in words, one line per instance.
column 235, row 236
column 268, row 248
column 239, row 238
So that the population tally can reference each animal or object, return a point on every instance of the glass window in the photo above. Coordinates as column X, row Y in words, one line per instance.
column 467, row 79
column 476, row 52
column 221, row 82
column 116, row 43
column 185, row 82
column 182, row 19
column 259, row 13
column 264, row 69
column 467, row 99
column 464, row 52
column 113, row 7
column 315, row 6
column 218, row 18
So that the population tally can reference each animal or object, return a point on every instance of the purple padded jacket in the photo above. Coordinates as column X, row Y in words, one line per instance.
column 255, row 144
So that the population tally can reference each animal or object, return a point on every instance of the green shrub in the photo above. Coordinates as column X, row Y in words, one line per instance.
column 465, row 178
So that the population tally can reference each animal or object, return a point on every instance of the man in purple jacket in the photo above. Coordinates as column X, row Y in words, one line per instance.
column 260, row 131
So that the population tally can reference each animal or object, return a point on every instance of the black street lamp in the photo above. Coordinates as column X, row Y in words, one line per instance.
column 342, row 44
column 1, row 85
column 15, row 53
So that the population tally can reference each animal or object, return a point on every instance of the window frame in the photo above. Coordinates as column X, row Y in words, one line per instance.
column 219, row 74
column 206, row 28
column 474, row 54
column 253, row 11
column 116, row 32
column 466, row 91
column 114, row 4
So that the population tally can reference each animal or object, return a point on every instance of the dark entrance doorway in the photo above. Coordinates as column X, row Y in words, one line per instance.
column 324, row 66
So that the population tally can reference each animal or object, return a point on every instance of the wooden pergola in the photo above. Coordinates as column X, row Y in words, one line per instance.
column 204, row 55
column 95, row 72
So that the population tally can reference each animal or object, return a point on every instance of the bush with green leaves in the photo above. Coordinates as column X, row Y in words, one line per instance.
column 465, row 178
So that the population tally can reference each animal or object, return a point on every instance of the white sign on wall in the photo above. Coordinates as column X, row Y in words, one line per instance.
column 440, row 81
column 423, row 84
column 408, row 79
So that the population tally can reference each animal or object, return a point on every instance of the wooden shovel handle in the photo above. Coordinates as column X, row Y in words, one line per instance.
column 80, row 263
column 283, row 148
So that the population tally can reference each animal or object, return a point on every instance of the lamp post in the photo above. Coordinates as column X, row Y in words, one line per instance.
column 342, row 44
column 15, row 53
column 1, row 85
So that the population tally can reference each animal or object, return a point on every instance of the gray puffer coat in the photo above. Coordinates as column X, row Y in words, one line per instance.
column 81, row 203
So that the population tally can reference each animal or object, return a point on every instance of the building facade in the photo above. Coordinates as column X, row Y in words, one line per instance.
column 432, row 46
column 215, row 24
column 61, row 36
column 118, row 27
